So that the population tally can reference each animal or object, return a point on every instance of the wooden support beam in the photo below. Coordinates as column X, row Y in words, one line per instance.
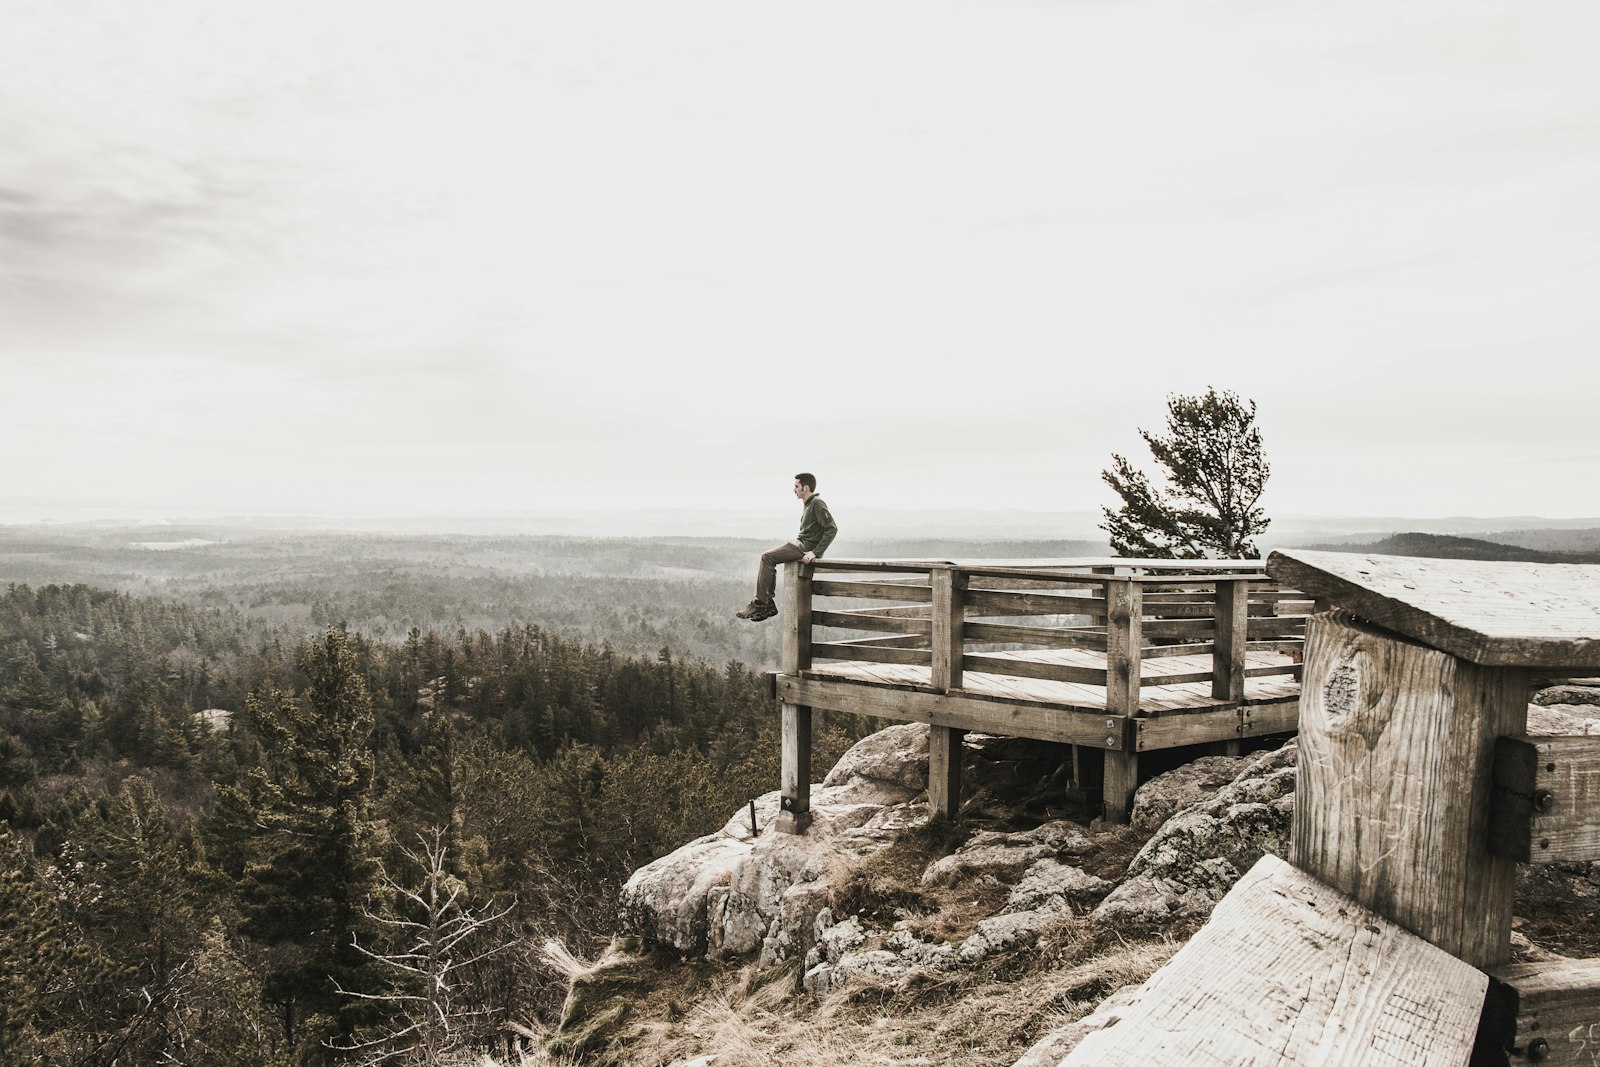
column 1227, row 657
column 794, row 804
column 944, row 771
column 1394, row 781
column 948, row 621
column 1289, row 973
column 1544, row 1012
column 1547, row 800
column 796, row 652
column 1044, row 722
column 1123, row 640
column 1121, row 782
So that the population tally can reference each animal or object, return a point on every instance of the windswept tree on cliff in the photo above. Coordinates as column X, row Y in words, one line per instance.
column 1214, row 472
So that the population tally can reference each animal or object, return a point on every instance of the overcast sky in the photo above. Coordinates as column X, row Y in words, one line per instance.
column 491, row 256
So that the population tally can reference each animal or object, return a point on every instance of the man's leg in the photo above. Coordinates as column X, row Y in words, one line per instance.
column 767, row 573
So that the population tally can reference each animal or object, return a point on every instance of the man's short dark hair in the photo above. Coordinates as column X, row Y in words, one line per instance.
column 807, row 480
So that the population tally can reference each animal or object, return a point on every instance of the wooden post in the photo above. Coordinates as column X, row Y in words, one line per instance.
column 944, row 771
column 796, row 609
column 1124, row 635
column 1232, row 614
column 948, row 618
column 1124, row 625
column 794, row 815
column 944, row 742
column 1395, row 782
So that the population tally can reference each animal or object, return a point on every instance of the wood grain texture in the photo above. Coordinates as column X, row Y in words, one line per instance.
column 920, row 594
column 794, row 803
column 1290, row 972
column 947, row 620
column 1395, row 778
column 1546, row 806
column 1092, row 728
column 1124, row 639
column 944, row 771
column 1496, row 614
column 862, row 620
column 1546, row 1012
column 1228, row 654
column 795, row 655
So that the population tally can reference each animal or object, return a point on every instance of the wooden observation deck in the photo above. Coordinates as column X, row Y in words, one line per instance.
column 1119, row 656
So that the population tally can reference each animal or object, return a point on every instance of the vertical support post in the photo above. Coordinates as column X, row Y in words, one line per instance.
column 1121, row 781
column 944, row 771
column 794, row 803
column 796, row 653
column 1394, row 783
column 1124, row 636
column 1232, row 616
column 944, row 742
column 949, row 618
column 794, row 815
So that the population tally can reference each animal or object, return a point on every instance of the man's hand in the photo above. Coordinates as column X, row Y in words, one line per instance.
column 809, row 557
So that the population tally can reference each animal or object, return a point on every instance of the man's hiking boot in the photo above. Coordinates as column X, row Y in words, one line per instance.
column 757, row 610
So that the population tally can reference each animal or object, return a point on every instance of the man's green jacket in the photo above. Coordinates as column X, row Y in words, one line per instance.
column 817, row 528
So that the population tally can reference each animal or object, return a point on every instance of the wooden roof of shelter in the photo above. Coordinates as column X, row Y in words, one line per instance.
column 1495, row 614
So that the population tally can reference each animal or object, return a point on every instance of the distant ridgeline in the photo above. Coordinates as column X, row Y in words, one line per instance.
column 1448, row 546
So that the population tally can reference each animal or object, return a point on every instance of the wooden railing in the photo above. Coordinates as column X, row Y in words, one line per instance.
column 998, row 617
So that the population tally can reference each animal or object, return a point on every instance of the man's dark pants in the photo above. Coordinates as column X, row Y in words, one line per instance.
column 767, row 575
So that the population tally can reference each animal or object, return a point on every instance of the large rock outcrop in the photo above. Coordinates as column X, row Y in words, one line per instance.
column 727, row 893
column 1195, row 857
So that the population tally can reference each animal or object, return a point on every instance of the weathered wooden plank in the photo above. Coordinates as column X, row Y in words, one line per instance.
column 1269, row 717
column 946, row 622
column 1547, row 800
column 1496, row 614
column 1177, row 627
column 870, row 653
column 1045, row 636
column 1227, row 659
column 1121, row 781
column 1288, row 972
column 862, row 620
column 1186, row 728
column 794, row 801
column 795, row 653
column 1024, row 668
column 1394, row 781
column 944, row 771
column 989, row 602
column 873, row 591
column 1124, row 637
column 903, row 641
column 1545, row 1012
column 904, row 704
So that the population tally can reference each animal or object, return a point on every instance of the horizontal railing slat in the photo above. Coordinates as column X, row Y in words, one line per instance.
column 921, row 594
column 982, row 602
column 874, row 653
column 1036, row 635
column 1023, row 668
column 861, row 620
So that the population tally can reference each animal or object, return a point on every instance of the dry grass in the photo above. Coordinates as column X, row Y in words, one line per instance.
column 986, row 1017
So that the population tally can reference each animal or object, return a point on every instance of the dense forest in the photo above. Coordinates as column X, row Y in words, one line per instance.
column 226, row 845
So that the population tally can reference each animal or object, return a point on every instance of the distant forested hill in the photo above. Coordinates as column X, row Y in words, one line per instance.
column 1445, row 546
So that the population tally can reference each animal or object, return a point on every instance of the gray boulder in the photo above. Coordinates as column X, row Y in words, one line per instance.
column 1006, row 856
column 734, row 891
column 1166, row 794
column 1197, row 855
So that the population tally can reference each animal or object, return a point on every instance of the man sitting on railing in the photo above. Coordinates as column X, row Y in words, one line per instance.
column 817, row 531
